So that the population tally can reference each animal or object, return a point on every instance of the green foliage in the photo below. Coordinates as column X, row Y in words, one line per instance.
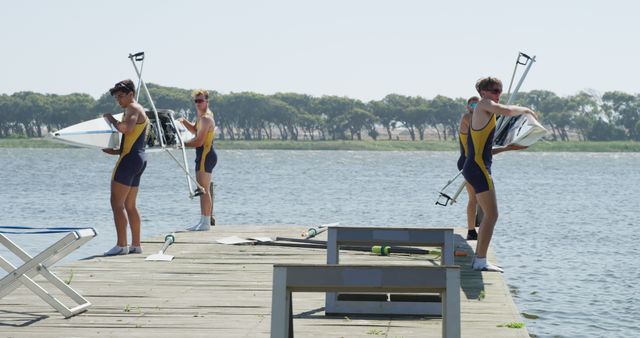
column 603, row 131
column 298, row 117
column 376, row 332
column 69, row 279
column 512, row 325
column 482, row 295
column 529, row 316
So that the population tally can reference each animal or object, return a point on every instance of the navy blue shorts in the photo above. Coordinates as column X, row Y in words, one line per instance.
column 479, row 176
column 210, row 160
column 461, row 160
column 129, row 169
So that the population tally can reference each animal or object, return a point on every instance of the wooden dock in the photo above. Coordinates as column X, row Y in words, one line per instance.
column 215, row 290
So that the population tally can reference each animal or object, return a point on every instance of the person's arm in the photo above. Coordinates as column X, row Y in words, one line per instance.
column 498, row 150
column 111, row 151
column 502, row 109
column 465, row 121
column 128, row 122
column 110, row 119
column 201, row 134
column 190, row 127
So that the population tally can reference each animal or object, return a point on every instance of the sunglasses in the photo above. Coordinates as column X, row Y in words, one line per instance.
column 120, row 87
column 495, row 91
column 199, row 100
column 473, row 105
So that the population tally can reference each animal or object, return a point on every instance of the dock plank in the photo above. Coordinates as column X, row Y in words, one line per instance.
column 217, row 290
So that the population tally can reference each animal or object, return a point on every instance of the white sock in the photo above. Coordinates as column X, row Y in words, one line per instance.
column 481, row 264
column 204, row 219
column 196, row 226
column 479, row 261
column 117, row 250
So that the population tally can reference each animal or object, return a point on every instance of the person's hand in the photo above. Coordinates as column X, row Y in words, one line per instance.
column 516, row 147
column 111, row 151
column 109, row 118
column 535, row 116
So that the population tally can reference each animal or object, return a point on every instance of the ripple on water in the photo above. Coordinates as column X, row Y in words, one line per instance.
column 565, row 234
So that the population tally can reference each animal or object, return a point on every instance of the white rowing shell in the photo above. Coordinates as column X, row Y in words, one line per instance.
column 525, row 131
column 96, row 133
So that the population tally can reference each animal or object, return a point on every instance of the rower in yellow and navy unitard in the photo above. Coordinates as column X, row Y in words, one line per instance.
column 462, row 141
column 206, row 157
column 465, row 125
column 477, row 167
column 125, row 179
column 133, row 160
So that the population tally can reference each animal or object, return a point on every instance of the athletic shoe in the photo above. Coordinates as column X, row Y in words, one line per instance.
column 472, row 235
column 483, row 265
column 117, row 250
column 200, row 227
column 135, row 249
column 203, row 227
column 194, row 227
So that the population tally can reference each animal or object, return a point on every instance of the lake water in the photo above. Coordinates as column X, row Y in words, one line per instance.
column 564, row 237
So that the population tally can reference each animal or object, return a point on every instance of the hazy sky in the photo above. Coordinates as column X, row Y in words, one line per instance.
column 361, row 49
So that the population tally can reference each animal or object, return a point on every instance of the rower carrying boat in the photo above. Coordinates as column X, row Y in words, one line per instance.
column 165, row 133
column 523, row 130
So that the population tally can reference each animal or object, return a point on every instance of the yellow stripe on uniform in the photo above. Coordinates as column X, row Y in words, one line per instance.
column 129, row 140
column 480, row 139
column 208, row 142
column 463, row 141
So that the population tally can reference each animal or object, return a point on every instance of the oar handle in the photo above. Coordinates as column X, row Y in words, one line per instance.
column 168, row 240
column 313, row 232
column 137, row 56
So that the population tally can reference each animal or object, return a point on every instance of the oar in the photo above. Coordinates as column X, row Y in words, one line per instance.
column 313, row 232
column 383, row 250
column 376, row 249
column 161, row 256
column 199, row 190
column 505, row 122
column 447, row 197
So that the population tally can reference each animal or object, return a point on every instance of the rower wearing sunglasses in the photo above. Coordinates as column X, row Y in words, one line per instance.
column 206, row 157
column 465, row 122
column 477, row 167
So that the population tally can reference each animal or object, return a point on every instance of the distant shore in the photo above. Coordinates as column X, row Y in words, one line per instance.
column 381, row 145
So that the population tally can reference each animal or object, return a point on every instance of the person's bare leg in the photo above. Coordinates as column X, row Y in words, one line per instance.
column 204, row 178
column 471, row 208
column 134, row 216
column 471, row 213
column 487, row 201
column 118, row 196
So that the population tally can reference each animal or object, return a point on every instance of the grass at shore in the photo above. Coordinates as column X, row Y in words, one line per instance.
column 385, row 145
column 588, row 146
column 381, row 145
column 339, row 145
column 35, row 142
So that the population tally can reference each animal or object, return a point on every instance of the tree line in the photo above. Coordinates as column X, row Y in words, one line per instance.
column 590, row 116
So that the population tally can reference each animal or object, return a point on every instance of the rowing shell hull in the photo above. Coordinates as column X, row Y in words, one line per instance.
column 96, row 133
column 525, row 131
